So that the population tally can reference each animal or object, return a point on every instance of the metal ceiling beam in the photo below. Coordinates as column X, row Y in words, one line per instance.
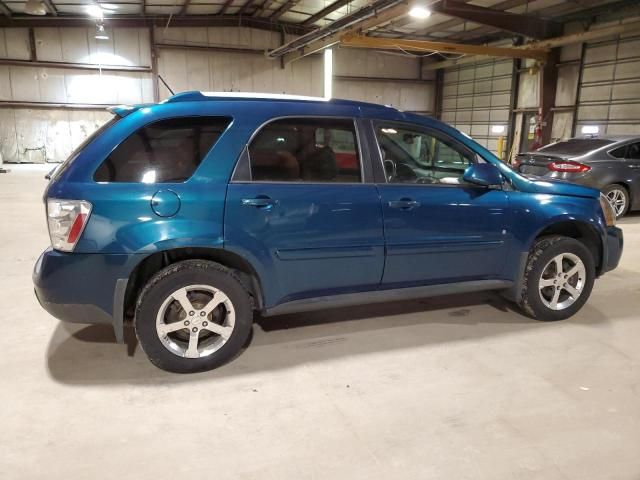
column 4, row 9
column 224, row 8
column 184, row 8
column 136, row 21
column 526, row 25
column 551, row 43
column 360, row 41
column 51, row 7
column 328, row 10
column 245, row 7
column 266, row 5
column 284, row 9
column 364, row 19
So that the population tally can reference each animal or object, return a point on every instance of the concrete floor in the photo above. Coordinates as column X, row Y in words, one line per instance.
column 449, row 388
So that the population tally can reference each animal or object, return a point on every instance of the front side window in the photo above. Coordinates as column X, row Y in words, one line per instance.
column 306, row 150
column 411, row 156
column 167, row 151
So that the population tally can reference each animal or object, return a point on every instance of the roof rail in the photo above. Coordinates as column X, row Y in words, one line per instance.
column 199, row 96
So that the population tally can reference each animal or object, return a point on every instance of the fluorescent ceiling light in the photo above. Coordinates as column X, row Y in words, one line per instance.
column 497, row 129
column 95, row 11
column 590, row 129
column 328, row 73
column 391, row 131
column 419, row 12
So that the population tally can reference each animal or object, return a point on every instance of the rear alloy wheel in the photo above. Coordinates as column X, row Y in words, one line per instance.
column 558, row 278
column 193, row 316
column 619, row 199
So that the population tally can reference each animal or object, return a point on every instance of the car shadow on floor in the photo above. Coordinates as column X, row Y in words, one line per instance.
column 87, row 355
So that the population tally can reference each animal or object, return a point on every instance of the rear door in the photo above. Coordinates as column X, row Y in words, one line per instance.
column 438, row 228
column 299, row 206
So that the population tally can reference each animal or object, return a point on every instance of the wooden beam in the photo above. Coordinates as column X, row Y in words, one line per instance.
column 526, row 25
column 328, row 10
column 360, row 41
column 550, row 43
column 4, row 9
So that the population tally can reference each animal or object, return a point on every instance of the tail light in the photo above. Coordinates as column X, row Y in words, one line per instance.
column 66, row 220
column 568, row 166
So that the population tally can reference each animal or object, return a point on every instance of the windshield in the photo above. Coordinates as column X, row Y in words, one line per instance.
column 576, row 146
column 64, row 165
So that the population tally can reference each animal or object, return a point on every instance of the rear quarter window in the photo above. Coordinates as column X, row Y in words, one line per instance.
column 167, row 151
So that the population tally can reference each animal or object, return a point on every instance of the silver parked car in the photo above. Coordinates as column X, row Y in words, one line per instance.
column 610, row 164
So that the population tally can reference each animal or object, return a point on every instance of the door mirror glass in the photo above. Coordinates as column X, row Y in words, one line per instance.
column 483, row 174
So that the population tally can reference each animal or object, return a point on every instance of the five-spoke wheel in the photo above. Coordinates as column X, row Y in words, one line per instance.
column 195, row 321
column 558, row 278
column 193, row 315
column 618, row 198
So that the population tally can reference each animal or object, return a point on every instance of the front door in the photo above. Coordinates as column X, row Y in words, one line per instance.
column 303, row 214
column 438, row 229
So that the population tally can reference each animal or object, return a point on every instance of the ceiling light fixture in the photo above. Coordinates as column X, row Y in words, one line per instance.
column 95, row 11
column 419, row 12
column 35, row 7
column 101, row 34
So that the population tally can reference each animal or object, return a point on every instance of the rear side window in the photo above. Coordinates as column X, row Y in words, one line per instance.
column 168, row 151
column 306, row 150
column 619, row 152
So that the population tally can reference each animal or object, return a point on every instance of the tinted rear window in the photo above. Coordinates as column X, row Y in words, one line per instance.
column 168, row 151
column 576, row 146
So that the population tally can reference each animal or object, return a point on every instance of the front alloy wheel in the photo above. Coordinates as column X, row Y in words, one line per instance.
column 558, row 278
column 562, row 281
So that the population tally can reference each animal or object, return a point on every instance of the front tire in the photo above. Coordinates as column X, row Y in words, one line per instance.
column 193, row 316
column 618, row 196
column 558, row 278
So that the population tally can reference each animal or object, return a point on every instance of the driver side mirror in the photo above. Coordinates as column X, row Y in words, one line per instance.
column 483, row 174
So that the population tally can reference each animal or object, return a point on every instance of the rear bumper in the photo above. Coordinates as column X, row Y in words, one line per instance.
column 83, row 288
column 614, row 242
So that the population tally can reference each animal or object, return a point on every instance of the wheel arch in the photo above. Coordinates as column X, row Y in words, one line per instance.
column 155, row 262
column 579, row 230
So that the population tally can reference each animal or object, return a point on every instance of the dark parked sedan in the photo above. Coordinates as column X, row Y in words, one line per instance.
column 611, row 164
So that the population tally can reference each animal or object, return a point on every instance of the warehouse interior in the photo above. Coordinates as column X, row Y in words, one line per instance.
column 461, row 386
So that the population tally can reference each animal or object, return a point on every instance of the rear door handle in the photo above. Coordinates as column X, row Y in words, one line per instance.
column 261, row 201
column 404, row 204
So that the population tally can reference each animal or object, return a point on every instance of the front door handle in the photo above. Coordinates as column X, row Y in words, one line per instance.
column 261, row 201
column 404, row 204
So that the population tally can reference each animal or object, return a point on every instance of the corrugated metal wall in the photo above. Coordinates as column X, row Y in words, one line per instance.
column 477, row 97
column 49, row 134
column 610, row 86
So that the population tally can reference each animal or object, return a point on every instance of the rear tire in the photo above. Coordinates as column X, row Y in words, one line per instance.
column 558, row 278
column 618, row 196
column 193, row 316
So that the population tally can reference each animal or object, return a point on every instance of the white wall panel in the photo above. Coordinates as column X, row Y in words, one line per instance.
column 478, row 96
column 610, row 86
column 38, row 135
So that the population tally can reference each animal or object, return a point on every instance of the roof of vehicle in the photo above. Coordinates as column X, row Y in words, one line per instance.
column 195, row 96
column 612, row 138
